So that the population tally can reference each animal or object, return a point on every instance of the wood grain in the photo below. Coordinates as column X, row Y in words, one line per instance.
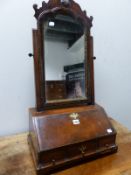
column 15, row 157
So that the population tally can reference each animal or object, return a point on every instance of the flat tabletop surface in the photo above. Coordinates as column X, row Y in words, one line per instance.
column 15, row 157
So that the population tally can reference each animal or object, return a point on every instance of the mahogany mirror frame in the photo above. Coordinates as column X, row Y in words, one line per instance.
column 72, row 9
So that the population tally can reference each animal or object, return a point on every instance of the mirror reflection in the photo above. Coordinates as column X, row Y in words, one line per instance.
column 64, row 49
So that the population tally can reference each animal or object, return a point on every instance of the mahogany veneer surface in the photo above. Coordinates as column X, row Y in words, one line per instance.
column 15, row 157
column 57, row 143
column 57, row 130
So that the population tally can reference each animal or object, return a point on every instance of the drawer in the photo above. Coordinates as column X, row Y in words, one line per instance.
column 106, row 141
column 81, row 149
column 69, row 152
column 60, row 86
column 53, row 156
column 54, row 94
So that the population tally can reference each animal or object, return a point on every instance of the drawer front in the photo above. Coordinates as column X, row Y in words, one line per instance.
column 107, row 141
column 55, row 95
column 69, row 152
column 55, row 91
column 81, row 150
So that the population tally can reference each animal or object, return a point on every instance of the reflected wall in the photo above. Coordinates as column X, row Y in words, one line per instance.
column 64, row 49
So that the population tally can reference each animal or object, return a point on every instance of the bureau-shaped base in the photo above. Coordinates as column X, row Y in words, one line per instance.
column 62, row 138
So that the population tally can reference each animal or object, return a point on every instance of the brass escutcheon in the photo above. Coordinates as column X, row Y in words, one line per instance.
column 74, row 116
column 83, row 149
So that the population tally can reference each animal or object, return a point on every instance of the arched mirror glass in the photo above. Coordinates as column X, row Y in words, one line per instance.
column 64, row 59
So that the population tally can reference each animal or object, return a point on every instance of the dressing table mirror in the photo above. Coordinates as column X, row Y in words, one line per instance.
column 64, row 54
column 66, row 126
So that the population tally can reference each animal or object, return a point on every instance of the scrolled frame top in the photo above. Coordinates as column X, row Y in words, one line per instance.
column 55, row 6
